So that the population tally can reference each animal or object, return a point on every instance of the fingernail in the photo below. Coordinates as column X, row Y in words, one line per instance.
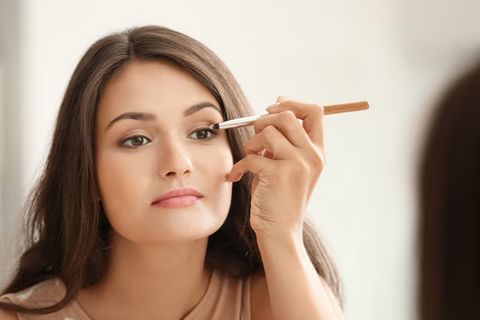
column 273, row 106
column 231, row 178
column 282, row 98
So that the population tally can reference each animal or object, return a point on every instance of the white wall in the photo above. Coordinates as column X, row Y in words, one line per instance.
column 396, row 54
column 11, row 137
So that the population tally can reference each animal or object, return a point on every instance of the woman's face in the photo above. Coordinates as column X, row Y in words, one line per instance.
column 151, row 138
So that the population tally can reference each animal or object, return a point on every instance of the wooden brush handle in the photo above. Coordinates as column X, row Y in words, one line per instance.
column 346, row 107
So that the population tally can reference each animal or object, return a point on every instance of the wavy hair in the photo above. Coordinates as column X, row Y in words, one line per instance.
column 67, row 232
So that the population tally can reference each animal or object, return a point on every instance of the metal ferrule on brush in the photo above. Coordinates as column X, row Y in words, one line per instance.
column 235, row 123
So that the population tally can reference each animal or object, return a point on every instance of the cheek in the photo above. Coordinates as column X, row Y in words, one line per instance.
column 217, row 164
column 120, row 184
column 221, row 163
column 214, row 170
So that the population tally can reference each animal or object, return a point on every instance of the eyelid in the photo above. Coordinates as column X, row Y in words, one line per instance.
column 207, row 128
column 122, row 142
column 204, row 126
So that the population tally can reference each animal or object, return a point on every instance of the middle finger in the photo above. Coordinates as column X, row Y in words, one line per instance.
column 272, row 141
column 287, row 123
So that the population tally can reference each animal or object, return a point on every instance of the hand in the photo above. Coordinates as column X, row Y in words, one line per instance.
column 286, row 159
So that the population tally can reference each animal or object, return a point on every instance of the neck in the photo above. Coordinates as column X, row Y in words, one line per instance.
column 144, row 281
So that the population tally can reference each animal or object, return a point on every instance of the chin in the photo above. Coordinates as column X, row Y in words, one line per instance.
column 174, row 226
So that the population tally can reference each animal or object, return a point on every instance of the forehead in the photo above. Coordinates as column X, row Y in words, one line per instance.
column 152, row 86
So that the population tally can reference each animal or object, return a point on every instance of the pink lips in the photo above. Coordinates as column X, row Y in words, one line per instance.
column 178, row 198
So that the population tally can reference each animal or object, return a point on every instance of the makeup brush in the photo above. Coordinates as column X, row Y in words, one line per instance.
column 248, row 121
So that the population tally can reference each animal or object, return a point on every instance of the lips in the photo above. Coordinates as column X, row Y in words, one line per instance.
column 182, row 193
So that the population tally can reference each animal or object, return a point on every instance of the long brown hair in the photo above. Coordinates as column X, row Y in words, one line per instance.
column 450, row 206
column 68, row 232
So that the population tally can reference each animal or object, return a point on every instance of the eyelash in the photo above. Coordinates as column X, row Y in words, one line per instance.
column 207, row 129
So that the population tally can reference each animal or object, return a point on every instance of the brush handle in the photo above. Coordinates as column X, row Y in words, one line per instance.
column 346, row 107
column 332, row 109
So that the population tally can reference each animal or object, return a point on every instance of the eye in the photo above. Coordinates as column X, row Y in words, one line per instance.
column 204, row 134
column 134, row 142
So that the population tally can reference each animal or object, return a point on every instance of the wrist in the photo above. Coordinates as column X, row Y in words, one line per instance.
column 277, row 232
column 280, row 243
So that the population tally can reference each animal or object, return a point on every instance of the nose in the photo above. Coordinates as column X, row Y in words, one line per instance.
column 174, row 161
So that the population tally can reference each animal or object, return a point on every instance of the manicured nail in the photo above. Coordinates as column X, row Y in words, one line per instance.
column 282, row 98
column 273, row 106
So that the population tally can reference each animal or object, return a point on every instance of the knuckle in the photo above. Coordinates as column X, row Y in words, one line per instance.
column 250, row 157
column 269, row 130
column 318, row 109
column 300, row 168
column 287, row 116
column 247, row 160
column 319, row 160
column 257, row 125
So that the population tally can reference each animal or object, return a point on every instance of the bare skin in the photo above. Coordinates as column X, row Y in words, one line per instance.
column 287, row 159
column 158, row 254
column 156, row 267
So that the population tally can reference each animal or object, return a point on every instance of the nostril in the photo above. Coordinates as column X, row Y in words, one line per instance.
column 179, row 172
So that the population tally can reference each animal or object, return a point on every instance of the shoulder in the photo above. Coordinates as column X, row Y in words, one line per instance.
column 260, row 299
column 42, row 294
column 8, row 315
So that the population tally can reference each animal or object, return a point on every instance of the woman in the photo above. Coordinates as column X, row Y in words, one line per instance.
column 143, row 211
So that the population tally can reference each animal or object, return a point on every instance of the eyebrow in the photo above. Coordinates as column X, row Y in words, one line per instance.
column 148, row 116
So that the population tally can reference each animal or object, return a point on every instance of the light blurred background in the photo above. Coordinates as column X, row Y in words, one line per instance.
column 397, row 54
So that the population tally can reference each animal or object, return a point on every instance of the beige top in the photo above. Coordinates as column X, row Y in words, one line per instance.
column 225, row 298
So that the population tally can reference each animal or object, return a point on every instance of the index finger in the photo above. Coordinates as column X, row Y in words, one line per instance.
column 311, row 114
